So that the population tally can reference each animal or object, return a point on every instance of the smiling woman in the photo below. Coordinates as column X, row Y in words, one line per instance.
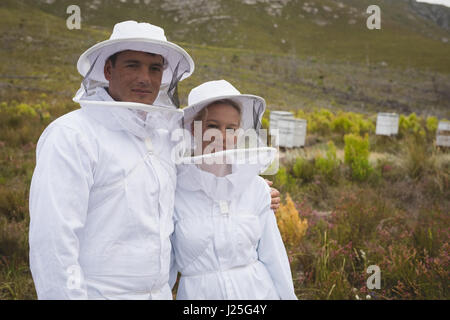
column 134, row 76
column 226, row 243
column 219, row 116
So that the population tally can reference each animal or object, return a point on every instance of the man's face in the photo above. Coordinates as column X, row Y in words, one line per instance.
column 135, row 77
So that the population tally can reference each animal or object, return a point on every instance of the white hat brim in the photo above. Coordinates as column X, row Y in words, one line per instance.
column 244, row 100
column 101, row 51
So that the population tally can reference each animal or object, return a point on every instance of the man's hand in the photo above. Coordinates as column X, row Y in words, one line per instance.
column 275, row 194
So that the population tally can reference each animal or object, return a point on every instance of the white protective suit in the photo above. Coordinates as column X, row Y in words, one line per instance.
column 226, row 240
column 101, row 205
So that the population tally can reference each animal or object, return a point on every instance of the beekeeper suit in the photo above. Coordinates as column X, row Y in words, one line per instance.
column 226, row 241
column 102, row 193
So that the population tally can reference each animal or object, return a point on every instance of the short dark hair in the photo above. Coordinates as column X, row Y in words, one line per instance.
column 113, row 58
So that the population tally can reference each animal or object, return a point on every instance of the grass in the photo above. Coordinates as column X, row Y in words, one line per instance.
column 361, row 226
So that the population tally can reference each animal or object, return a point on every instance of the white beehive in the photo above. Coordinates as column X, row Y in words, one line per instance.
column 387, row 124
column 443, row 134
column 300, row 133
column 286, row 127
column 291, row 131
column 275, row 118
column 275, row 115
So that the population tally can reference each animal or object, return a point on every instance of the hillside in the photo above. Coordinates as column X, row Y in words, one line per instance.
column 325, row 28
column 297, row 54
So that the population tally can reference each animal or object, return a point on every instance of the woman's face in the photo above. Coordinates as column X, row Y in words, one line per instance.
column 219, row 119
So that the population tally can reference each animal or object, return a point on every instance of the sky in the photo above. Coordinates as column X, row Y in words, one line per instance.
column 443, row 2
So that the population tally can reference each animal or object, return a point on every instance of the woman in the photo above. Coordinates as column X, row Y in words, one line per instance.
column 226, row 241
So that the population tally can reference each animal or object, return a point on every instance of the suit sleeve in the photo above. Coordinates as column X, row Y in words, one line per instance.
column 59, row 196
column 271, row 250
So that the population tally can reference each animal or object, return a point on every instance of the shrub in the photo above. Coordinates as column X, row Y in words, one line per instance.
column 281, row 177
column 357, row 156
column 366, row 126
column 324, row 122
column 26, row 110
column 321, row 122
column 410, row 125
column 303, row 169
column 343, row 124
column 416, row 159
column 292, row 227
column 328, row 166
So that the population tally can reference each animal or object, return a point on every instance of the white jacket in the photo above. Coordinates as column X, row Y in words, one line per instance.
column 226, row 241
column 101, row 208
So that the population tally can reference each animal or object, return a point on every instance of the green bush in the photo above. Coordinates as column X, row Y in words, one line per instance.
column 318, row 121
column 281, row 177
column 342, row 124
column 325, row 122
column 432, row 124
column 328, row 166
column 26, row 110
column 350, row 122
column 366, row 126
column 410, row 125
column 303, row 169
column 356, row 152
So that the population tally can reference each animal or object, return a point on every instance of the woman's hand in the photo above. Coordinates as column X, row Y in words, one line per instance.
column 275, row 194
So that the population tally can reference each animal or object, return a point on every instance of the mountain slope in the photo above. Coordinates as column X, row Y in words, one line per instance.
column 323, row 28
column 281, row 50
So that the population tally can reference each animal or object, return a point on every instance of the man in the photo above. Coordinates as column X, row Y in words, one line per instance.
column 102, row 193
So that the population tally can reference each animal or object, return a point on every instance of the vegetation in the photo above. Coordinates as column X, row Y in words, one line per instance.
column 388, row 208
